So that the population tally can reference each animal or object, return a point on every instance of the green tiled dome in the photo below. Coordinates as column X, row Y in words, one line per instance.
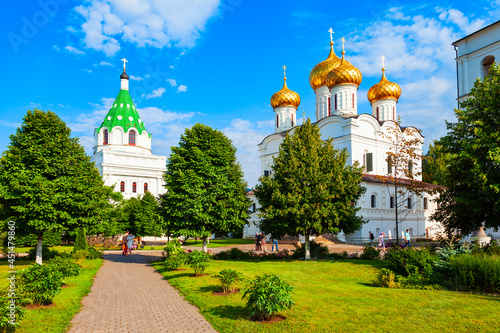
column 124, row 114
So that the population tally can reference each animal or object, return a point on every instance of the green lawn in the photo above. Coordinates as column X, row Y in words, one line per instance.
column 59, row 248
column 66, row 304
column 219, row 242
column 337, row 296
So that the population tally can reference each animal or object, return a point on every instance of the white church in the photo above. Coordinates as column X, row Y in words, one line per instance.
column 122, row 149
column 335, row 82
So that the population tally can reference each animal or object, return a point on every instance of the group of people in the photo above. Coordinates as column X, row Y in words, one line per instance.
column 127, row 243
column 381, row 243
column 260, row 242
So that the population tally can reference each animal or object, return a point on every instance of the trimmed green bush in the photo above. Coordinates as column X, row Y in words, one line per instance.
column 268, row 295
column 66, row 266
column 386, row 279
column 199, row 261
column 229, row 278
column 175, row 261
column 406, row 261
column 477, row 272
column 369, row 252
column 40, row 283
column 233, row 254
column 172, row 248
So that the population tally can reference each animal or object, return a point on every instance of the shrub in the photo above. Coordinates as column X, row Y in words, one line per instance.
column 318, row 251
column 371, row 253
column 50, row 238
column 233, row 254
column 478, row 272
column 228, row 278
column 342, row 255
column 267, row 295
column 66, row 266
column 81, row 239
column 47, row 253
column 93, row 253
column 175, row 261
column 40, row 283
column 386, row 278
column 9, row 311
column 405, row 261
column 199, row 261
column 173, row 247
column 492, row 248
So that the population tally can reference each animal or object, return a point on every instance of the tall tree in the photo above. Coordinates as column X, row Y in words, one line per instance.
column 404, row 170
column 47, row 182
column 143, row 216
column 472, row 198
column 205, row 187
column 435, row 165
column 312, row 190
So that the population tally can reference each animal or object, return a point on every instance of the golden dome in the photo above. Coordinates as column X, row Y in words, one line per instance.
column 384, row 89
column 344, row 73
column 318, row 74
column 285, row 97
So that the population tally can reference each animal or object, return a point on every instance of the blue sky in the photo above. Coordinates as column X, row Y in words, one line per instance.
column 218, row 62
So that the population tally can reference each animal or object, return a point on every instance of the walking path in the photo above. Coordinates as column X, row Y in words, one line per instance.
column 128, row 295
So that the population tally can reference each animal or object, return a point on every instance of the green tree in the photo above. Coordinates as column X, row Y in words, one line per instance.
column 81, row 239
column 205, row 187
column 112, row 217
column 47, row 182
column 312, row 190
column 472, row 198
column 143, row 215
column 435, row 165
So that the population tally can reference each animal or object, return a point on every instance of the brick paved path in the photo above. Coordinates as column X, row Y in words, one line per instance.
column 128, row 295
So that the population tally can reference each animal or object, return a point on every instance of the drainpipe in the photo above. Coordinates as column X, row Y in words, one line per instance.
column 456, row 57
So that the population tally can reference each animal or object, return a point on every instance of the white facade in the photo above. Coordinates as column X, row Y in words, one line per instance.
column 474, row 55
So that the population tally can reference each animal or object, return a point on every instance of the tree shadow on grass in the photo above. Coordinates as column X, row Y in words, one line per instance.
column 230, row 312
column 211, row 289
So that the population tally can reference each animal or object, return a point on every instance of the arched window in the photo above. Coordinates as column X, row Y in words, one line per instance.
column 145, row 187
column 329, row 106
column 393, row 203
column 486, row 64
column 377, row 114
column 410, row 203
column 277, row 121
column 134, row 187
column 122, row 187
column 425, row 203
column 374, row 201
column 105, row 137
column 335, row 102
column 131, row 138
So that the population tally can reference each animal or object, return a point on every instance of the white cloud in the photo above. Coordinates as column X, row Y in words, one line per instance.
column 87, row 70
column 182, row 88
column 74, row 50
column 172, row 82
column 144, row 22
column 105, row 63
column 57, row 48
column 171, row 66
column 156, row 93
column 135, row 78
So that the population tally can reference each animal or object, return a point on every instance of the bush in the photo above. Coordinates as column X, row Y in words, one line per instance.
column 386, row 279
column 405, row 261
column 173, row 247
column 229, row 278
column 318, row 251
column 267, row 295
column 90, row 253
column 47, row 253
column 50, row 238
column 199, row 261
column 66, row 266
column 175, row 261
column 81, row 239
column 233, row 254
column 5, row 312
column 40, row 283
column 477, row 272
column 370, row 253
column 342, row 255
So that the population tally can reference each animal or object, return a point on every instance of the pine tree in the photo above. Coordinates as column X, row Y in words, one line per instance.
column 81, row 240
column 205, row 187
column 312, row 190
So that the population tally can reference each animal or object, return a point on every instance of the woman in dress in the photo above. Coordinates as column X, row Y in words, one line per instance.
column 130, row 241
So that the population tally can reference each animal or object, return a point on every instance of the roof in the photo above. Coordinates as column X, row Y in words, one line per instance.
column 389, row 180
column 123, row 114
column 475, row 32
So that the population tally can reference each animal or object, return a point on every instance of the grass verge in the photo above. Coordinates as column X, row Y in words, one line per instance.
column 56, row 318
column 337, row 296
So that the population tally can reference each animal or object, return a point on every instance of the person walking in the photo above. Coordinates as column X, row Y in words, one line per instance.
column 372, row 237
column 275, row 245
column 263, row 242
column 257, row 241
column 381, row 243
column 124, row 243
column 407, row 238
column 130, row 241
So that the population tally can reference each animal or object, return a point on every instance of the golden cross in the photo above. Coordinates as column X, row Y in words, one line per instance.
column 124, row 61
column 343, row 41
column 331, row 34
column 383, row 61
column 284, row 71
